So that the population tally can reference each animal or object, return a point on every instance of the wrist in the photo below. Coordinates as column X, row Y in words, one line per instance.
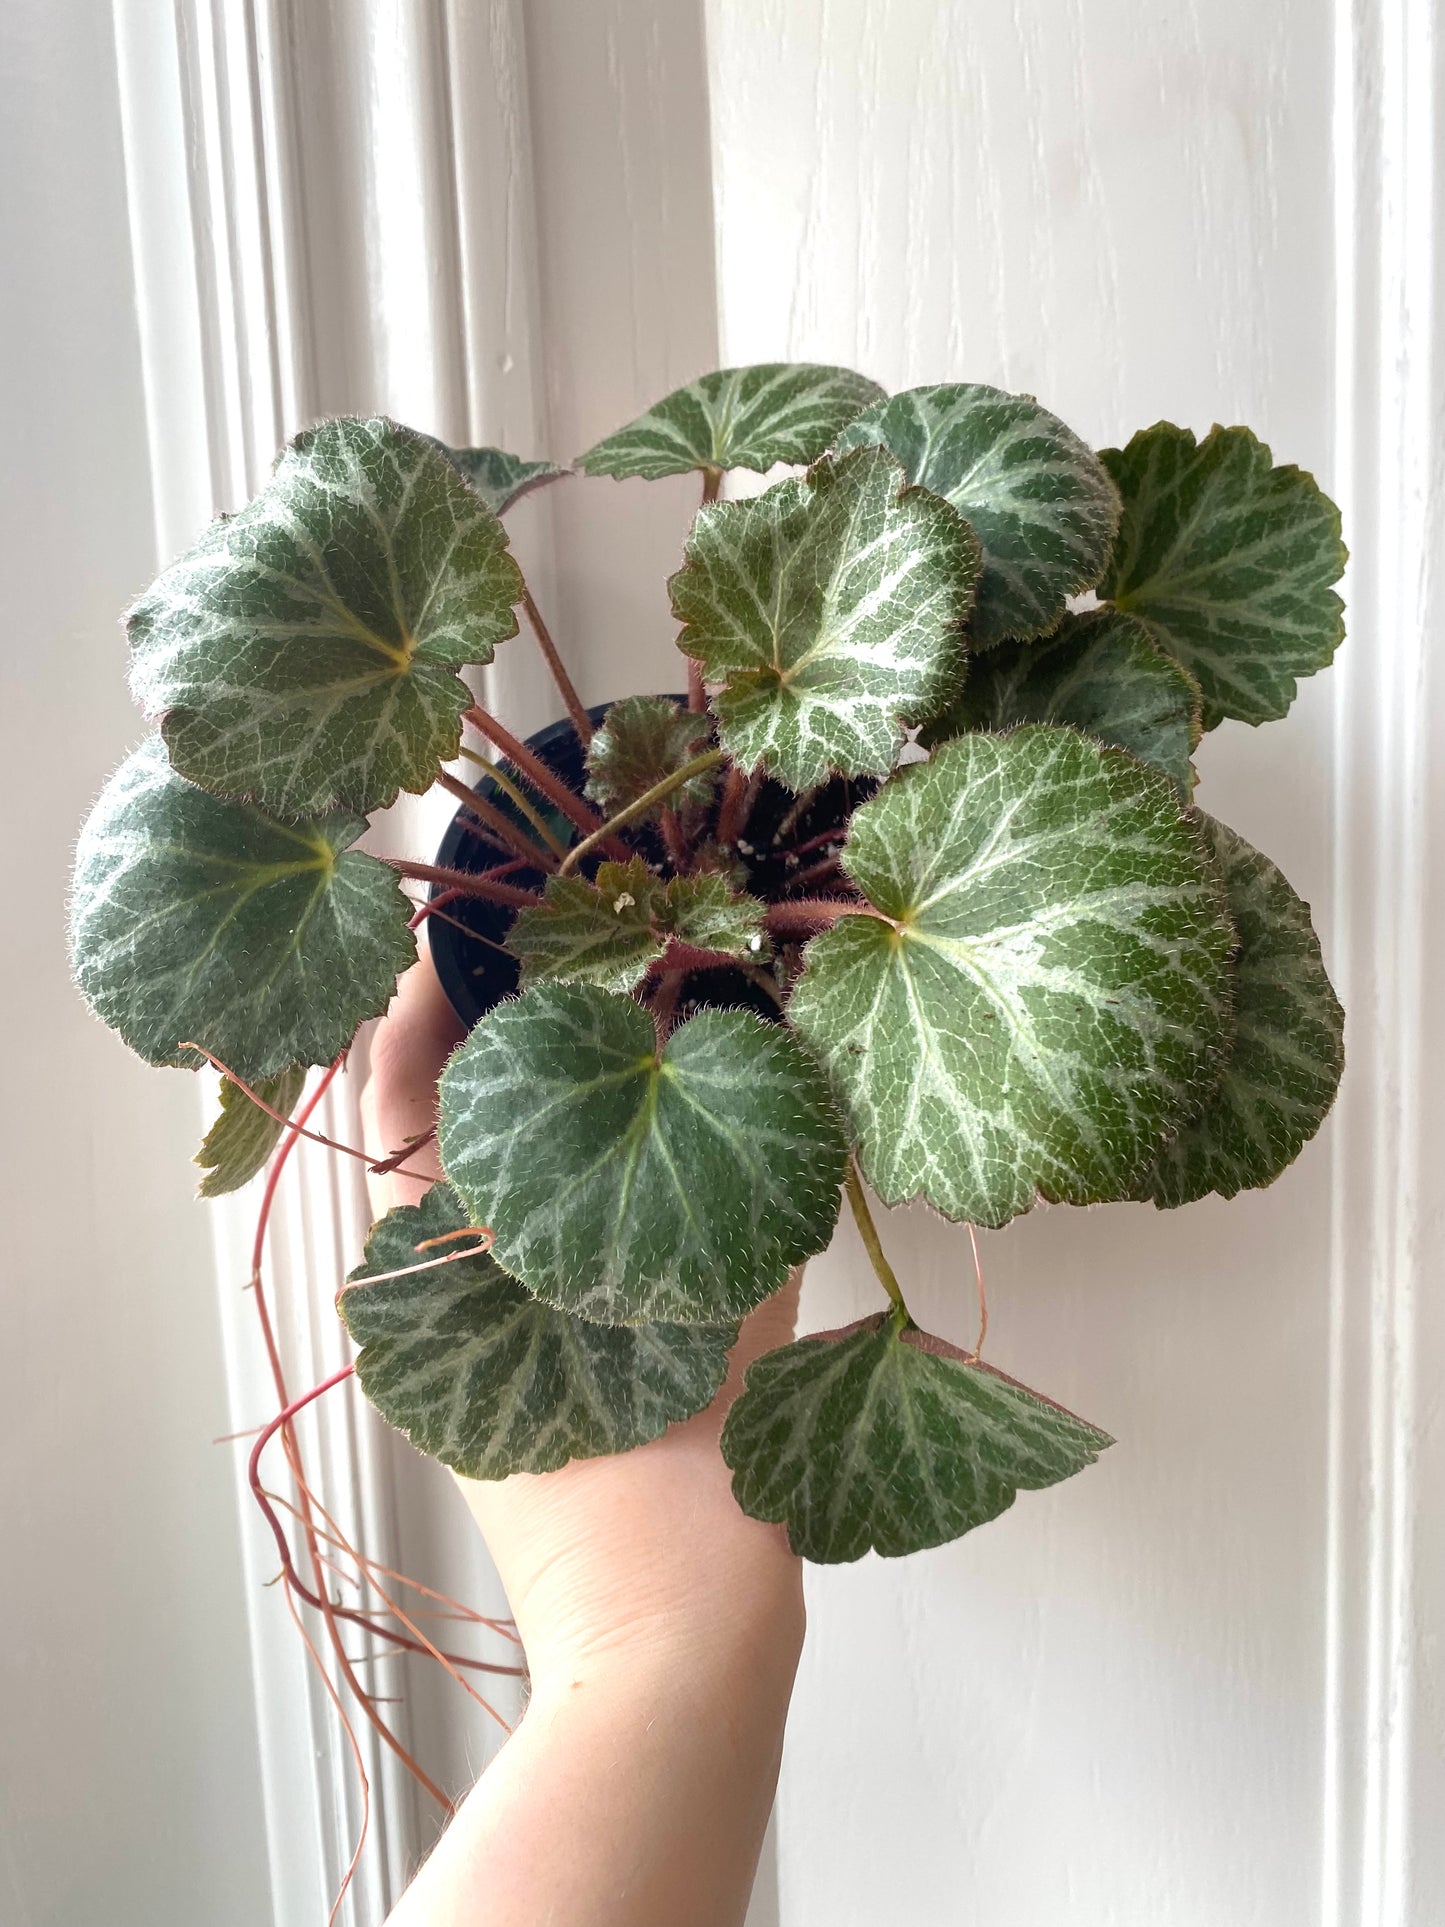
column 744, row 1629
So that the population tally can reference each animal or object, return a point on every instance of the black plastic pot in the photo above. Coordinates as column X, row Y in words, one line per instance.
column 467, row 936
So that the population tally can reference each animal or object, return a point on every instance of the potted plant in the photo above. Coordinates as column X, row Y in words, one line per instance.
column 907, row 895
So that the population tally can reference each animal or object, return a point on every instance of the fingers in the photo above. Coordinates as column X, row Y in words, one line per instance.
column 408, row 1049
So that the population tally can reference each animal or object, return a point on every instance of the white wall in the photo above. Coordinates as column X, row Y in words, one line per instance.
column 129, row 1791
column 1184, row 1687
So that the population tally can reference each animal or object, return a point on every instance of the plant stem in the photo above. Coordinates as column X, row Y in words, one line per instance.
column 807, row 913
column 640, row 805
column 518, row 796
column 464, row 883
column 297, row 1125
column 730, row 811
column 509, row 834
column 868, row 1232
column 673, row 839
column 696, row 694
column 535, row 770
column 581, row 721
column 664, row 1005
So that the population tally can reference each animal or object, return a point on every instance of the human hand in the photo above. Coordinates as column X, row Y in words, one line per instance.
column 644, row 1557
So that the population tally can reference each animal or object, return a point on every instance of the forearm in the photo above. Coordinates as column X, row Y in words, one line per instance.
column 635, row 1793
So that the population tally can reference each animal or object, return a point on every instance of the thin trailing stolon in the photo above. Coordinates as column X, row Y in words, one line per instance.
column 907, row 897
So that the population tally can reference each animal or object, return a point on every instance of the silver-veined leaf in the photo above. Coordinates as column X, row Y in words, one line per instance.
column 591, row 933
column 1230, row 560
column 831, row 611
column 629, row 1186
column 1041, row 502
column 1045, row 993
column 642, row 740
column 775, row 411
column 489, row 1380
column 243, row 1135
column 1288, row 1053
column 196, row 919
column 879, row 1438
column 304, row 653
column 1101, row 673
column 499, row 478
column 703, row 911
column 610, row 931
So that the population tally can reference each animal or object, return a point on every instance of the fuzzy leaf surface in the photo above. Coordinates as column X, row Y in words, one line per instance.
column 593, row 933
column 195, row 918
column 1041, row 502
column 1100, row 673
column 754, row 417
column 874, row 1439
column 243, row 1135
column 499, row 478
column 1052, row 995
column 831, row 609
column 304, row 653
column 702, row 910
column 1289, row 1050
column 489, row 1380
column 609, row 931
column 642, row 740
column 1230, row 560
column 630, row 1189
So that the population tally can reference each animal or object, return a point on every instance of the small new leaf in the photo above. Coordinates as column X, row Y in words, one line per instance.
column 737, row 418
column 592, row 933
column 1282, row 1073
column 1100, row 673
column 704, row 912
column 499, row 478
column 195, row 919
column 642, row 740
column 882, row 1439
column 1041, row 502
column 628, row 1186
column 490, row 1381
column 610, row 931
column 831, row 610
column 1230, row 560
column 1045, row 994
column 304, row 654
column 243, row 1135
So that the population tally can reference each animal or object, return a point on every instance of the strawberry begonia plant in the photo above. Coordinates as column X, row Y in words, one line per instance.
column 909, row 896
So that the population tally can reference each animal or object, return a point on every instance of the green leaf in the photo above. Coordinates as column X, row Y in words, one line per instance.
column 642, row 740
column 831, row 610
column 198, row 919
column 1049, row 994
column 1041, row 502
column 1229, row 560
column 1281, row 1077
column 882, row 1439
column 490, row 1381
column 777, row 411
column 305, row 652
column 1100, row 673
column 628, row 1189
column 593, row 933
column 243, row 1135
column 703, row 911
column 609, row 932
column 499, row 478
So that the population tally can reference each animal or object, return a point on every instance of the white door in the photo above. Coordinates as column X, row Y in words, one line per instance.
column 1201, row 1684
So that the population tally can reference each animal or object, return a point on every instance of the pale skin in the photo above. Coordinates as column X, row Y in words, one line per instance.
column 662, row 1629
